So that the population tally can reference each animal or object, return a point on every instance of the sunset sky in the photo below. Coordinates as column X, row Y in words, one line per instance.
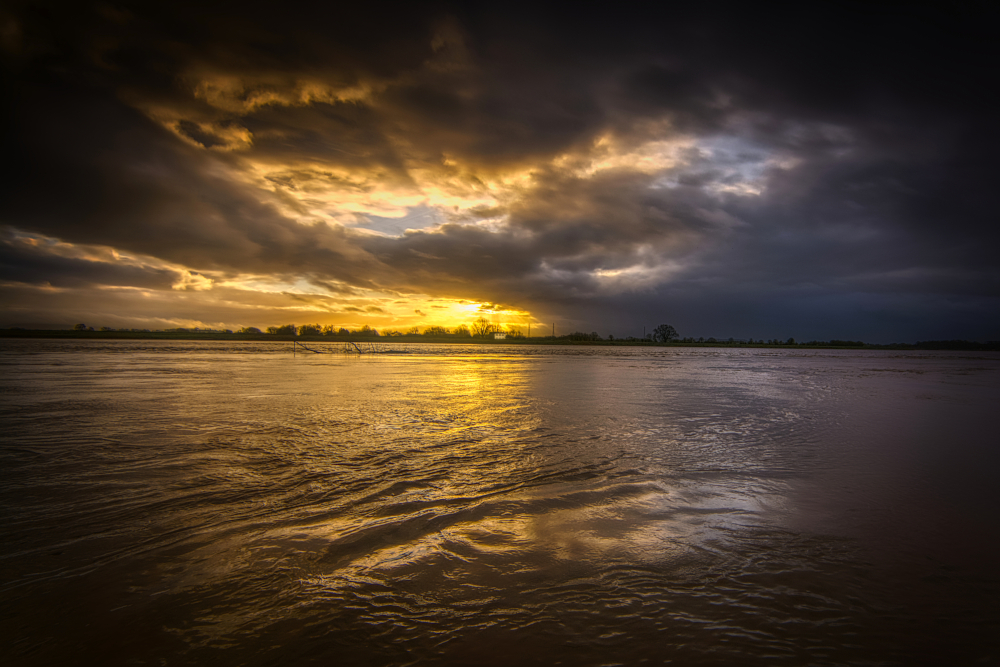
column 827, row 172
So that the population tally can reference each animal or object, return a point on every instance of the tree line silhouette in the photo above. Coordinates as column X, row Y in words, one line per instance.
column 480, row 328
column 483, row 329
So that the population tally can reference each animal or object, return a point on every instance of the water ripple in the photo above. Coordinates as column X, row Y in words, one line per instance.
column 190, row 502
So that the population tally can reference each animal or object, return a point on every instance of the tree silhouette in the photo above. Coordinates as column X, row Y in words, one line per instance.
column 482, row 328
column 435, row 331
column 664, row 333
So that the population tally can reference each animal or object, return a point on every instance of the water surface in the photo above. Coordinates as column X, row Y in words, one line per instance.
column 217, row 503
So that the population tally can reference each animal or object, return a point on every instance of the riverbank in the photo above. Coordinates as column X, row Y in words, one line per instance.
column 66, row 334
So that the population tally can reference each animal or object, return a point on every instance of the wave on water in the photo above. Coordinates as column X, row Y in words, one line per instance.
column 184, row 503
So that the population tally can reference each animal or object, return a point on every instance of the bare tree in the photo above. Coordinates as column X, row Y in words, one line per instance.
column 482, row 328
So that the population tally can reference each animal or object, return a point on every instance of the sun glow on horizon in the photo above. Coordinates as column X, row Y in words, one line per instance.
column 183, row 297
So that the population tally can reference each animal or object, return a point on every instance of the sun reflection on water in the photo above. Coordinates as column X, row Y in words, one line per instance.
column 420, row 507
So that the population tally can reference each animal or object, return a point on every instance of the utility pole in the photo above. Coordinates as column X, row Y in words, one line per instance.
column 529, row 329
column 553, row 329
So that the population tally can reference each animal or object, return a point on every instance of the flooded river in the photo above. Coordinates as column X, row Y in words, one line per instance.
column 176, row 503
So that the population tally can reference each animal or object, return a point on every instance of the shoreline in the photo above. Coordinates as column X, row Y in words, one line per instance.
column 61, row 334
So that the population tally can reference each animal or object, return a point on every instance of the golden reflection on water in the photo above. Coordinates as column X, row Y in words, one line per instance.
column 390, row 508
column 484, row 421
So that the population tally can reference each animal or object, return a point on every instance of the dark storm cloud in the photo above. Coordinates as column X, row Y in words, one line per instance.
column 121, row 181
column 839, row 154
column 557, row 236
column 23, row 261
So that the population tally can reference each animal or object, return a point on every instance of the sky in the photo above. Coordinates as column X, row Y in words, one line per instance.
column 816, row 171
